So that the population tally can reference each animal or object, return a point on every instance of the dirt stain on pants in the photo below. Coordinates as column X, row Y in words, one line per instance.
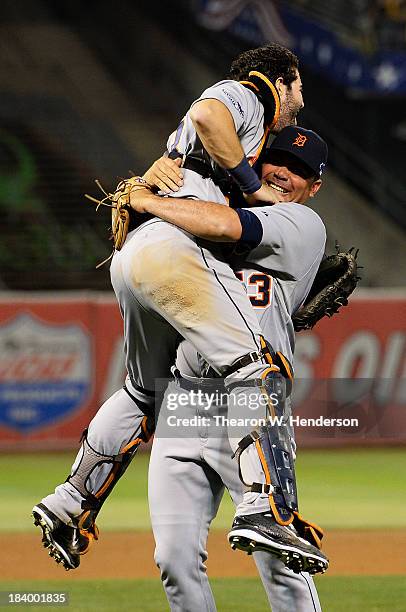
column 173, row 278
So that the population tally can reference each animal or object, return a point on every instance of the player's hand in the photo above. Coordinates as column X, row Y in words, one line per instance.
column 264, row 195
column 165, row 174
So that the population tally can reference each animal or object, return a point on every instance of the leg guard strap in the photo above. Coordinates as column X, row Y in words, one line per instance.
column 252, row 382
column 265, row 354
column 310, row 531
column 243, row 361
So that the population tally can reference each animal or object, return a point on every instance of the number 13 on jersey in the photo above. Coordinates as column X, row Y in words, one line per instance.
column 259, row 287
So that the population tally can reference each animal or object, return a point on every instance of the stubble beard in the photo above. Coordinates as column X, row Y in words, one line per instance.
column 288, row 114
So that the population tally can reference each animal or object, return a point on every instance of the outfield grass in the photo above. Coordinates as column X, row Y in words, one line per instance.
column 337, row 594
column 337, row 488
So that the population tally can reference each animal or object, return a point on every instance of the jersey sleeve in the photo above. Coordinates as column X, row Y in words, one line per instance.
column 292, row 239
column 238, row 99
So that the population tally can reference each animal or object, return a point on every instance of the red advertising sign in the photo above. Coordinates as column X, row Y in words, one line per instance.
column 353, row 366
column 60, row 358
column 53, row 353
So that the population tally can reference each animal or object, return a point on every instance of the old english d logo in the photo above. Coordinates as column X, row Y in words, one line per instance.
column 300, row 140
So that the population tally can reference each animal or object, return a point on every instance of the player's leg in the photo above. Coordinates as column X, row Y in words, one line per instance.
column 150, row 347
column 265, row 515
column 184, row 494
column 285, row 589
column 67, row 517
column 177, row 280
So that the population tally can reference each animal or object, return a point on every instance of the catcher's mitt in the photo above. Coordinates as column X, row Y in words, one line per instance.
column 119, row 202
column 335, row 280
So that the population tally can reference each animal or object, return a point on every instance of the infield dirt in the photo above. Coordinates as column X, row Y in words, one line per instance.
column 130, row 555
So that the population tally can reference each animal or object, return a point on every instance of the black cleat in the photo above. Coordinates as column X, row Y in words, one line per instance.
column 65, row 544
column 260, row 531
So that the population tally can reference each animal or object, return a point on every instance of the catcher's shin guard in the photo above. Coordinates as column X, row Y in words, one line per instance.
column 90, row 460
column 274, row 449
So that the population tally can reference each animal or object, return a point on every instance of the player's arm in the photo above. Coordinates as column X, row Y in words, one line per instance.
column 214, row 124
column 207, row 220
column 215, row 127
column 215, row 222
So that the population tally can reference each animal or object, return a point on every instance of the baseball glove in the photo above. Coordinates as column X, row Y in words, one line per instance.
column 119, row 202
column 335, row 280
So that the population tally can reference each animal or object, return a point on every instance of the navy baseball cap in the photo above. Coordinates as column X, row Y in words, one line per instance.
column 304, row 144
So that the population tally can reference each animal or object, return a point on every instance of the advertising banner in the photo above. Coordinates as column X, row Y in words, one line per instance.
column 60, row 358
column 54, row 353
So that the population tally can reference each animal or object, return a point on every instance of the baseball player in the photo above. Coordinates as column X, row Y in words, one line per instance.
column 170, row 285
column 195, row 467
column 190, row 468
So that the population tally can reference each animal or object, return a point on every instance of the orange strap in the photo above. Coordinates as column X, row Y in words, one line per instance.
column 310, row 531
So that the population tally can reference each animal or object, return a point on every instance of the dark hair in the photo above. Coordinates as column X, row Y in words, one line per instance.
column 273, row 61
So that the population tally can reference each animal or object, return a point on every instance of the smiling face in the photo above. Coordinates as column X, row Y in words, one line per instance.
column 289, row 177
column 291, row 99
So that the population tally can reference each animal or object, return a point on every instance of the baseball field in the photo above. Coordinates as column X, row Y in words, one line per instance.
column 358, row 496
